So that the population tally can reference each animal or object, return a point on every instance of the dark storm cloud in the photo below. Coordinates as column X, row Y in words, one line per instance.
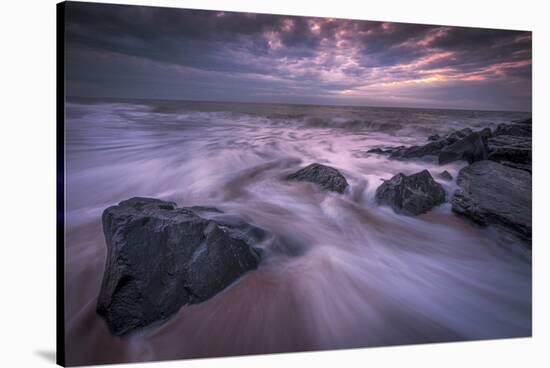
column 136, row 51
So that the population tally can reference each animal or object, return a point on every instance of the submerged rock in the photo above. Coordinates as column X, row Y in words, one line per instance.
column 471, row 148
column 411, row 195
column 160, row 257
column 445, row 175
column 492, row 193
column 326, row 177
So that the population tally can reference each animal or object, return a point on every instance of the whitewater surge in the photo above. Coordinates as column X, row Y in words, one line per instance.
column 339, row 271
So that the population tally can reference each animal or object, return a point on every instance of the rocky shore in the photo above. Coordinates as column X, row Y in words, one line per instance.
column 495, row 189
column 161, row 257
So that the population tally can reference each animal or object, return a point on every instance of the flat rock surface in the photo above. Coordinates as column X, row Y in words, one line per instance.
column 491, row 193
column 160, row 257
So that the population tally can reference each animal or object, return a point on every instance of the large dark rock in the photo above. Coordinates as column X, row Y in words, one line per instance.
column 492, row 193
column 471, row 148
column 411, row 195
column 160, row 257
column 511, row 145
column 326, row 177
column 513, row 151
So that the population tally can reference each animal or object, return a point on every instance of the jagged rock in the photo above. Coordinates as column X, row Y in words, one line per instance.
column 160, row 257
column 471, row 148
column 412, row 195
column 445, row 175
column 434, row 137
column 326, row 177
column 492, row 193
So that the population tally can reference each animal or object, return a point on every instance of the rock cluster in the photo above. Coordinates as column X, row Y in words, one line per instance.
column 509, row 144
column 495, row 189
column 459, row 145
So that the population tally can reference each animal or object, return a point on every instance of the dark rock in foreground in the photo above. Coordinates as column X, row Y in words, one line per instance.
column 471, row 148
column 411, row 195
column 160, row 257
column 492, row 193
column 326, row 177
column 445, row 175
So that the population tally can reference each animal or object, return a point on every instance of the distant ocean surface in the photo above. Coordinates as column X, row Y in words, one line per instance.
column 344, row 272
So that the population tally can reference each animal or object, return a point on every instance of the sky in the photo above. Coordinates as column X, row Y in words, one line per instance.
column 165, row 53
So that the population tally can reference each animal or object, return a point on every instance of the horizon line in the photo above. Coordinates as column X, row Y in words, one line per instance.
column 291, row 103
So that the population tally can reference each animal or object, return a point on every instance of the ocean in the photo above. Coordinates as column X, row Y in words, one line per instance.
column 339, row 271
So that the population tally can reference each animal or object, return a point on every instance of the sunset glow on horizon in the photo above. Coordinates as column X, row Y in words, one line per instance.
column 148, row 52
